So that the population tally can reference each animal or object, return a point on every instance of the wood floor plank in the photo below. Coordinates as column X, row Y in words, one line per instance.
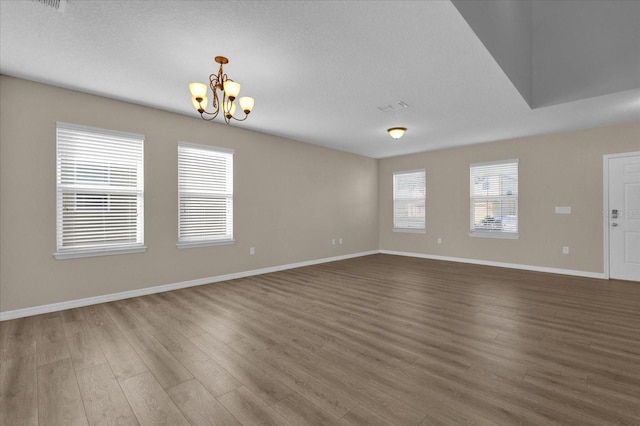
column 18, row 383
column 266, row 387
column 379, row 339
column 164, row 366
column 250, row 410
column 72, row 315
column 51, row 344
column 59, row 400
column 300, row 411
column 324, row 395
column 17, row 338
column 96, row 315
column 211, row 375
column 120, row 316
column 174, row 318
column 18, row 390
column 83, row 346
column 150, row 403
column 610, row 405
column 361, row 416
column 104, row 402
column 205, row 319
column 199, row 406
column 349, row 378
column 122, row 358
column 245, row 328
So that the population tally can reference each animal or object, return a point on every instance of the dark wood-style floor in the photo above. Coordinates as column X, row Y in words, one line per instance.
column 378, row 340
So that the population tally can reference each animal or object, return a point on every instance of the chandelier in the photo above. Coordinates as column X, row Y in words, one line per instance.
column 230, row 90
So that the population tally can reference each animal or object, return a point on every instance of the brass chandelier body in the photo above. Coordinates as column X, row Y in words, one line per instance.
column 230, row 90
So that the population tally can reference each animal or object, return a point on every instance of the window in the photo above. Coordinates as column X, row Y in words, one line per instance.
column 100, row 192
column 205, row 195
column 494, row 199
column 409, row 201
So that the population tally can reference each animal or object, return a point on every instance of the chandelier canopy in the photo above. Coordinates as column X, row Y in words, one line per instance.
column 230, row 90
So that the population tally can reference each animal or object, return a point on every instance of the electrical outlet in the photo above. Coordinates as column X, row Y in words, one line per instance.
column 439, row 240
column 333, row 242
column 339, row 240
column 252, row 251
column 565, row 250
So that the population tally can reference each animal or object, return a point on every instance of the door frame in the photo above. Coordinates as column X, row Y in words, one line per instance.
column 605, row 211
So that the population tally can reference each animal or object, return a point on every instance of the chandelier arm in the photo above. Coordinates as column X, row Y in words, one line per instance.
column 215, row 101
column 213, row 114
column 225, row 99
column 209, row 118
column 213, row 84
column 213, row 81
column 221, row 78
column 240, row 119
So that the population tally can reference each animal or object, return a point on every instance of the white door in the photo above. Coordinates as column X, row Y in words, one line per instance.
column 624, row 218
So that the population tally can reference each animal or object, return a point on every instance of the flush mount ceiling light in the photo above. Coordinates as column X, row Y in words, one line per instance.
column 230, row 90
column 396, row 132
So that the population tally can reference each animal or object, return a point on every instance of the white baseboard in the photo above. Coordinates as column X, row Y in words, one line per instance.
column 500, row 264
column 61, row 306
column 54, row 307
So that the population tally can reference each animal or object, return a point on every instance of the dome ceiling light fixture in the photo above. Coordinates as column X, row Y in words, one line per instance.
column 396, row 132
column 230, row 90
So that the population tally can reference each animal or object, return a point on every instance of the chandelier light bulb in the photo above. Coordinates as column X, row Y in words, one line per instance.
column 396, row 132
column 200, row 104
column 229, row 108
column 198, row 90
column 232, row 89
column 246, row 103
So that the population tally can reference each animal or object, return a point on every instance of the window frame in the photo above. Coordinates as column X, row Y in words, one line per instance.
column 411, row 230
column 81, row 154
column 183, row 240
column 494, row 233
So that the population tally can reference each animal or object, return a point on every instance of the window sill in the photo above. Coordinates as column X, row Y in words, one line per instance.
column 500, row 235
column 410, row 230
column 195, row 244
column 98, row 252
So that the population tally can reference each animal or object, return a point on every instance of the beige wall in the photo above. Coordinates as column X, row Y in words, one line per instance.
column 291, row 199
column 562, row 169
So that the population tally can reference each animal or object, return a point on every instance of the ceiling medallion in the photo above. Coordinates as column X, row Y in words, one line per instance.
column 230, row 90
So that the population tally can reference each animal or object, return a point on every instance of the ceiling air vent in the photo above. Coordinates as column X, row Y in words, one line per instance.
column 393, row 107
column 58, row 5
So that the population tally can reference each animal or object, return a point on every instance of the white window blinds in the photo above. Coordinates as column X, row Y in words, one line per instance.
column 409, row 200
column 494, row 198
column 205, row 195
column 100, row 191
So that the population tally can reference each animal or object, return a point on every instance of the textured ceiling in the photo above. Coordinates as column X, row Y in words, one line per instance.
column 318, row 70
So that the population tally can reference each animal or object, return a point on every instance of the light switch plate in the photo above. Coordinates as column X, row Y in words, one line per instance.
column 563, row 210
